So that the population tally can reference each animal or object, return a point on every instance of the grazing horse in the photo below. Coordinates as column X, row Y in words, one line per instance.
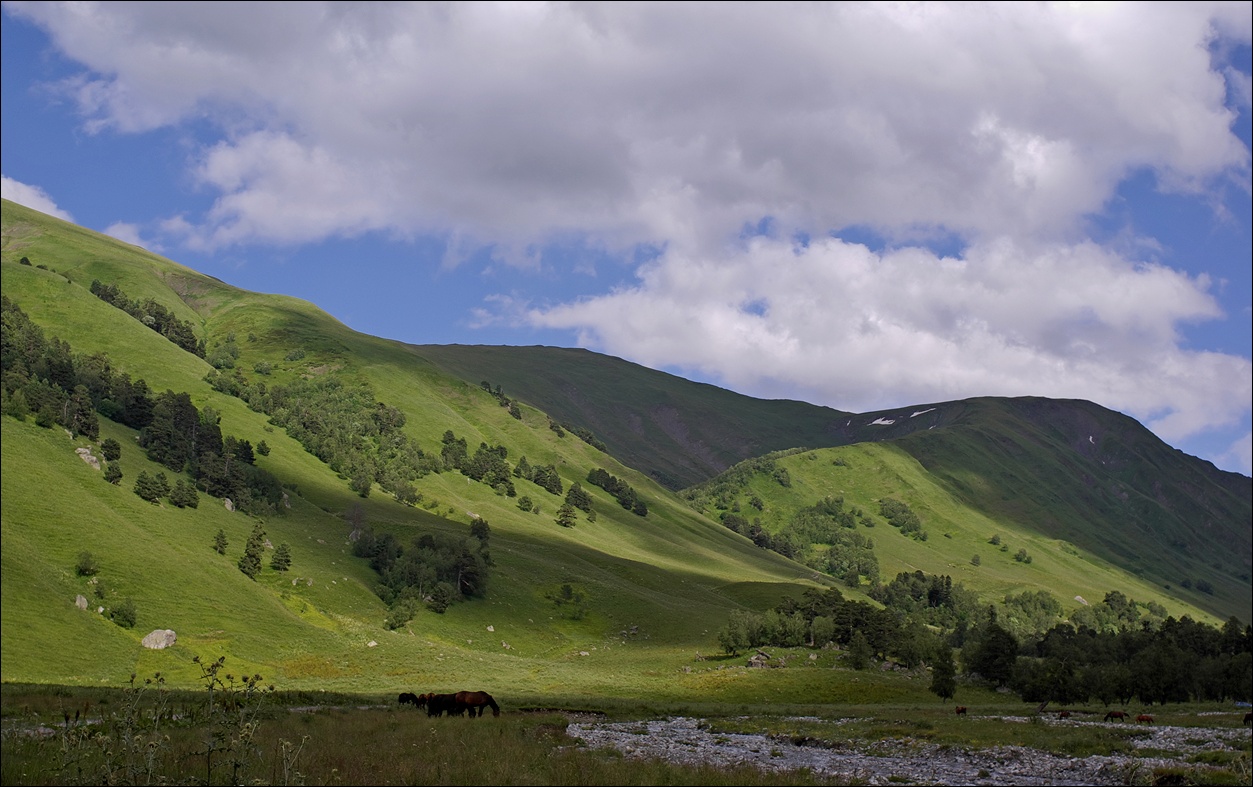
column 1064, row 715
column 409, row 698
column 1116, row 714
column 438, row 704
column 961, row 710
column 475, row 701
column 1144, row 718
column 1248, row 718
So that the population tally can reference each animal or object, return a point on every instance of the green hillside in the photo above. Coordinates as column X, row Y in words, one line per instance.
column 618, row 606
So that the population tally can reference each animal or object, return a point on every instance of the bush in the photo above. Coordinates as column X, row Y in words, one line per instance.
column 87, row 566
column 110, row 449
column 113, row 473
column 124, row 614
column 184, row 495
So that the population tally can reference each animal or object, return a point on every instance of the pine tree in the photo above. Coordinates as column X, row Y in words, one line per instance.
column 282, row 558
column 219, row 542
column 565, row 515
column 250, row 563
column 112, row 473
column 943, row 674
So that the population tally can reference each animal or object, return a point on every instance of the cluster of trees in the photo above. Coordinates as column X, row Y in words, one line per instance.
column 154, row 487
column 43, row 375
column 926, row 618
column 154, row 315
column 183, row 438
column 626, row 496
column 823, row 536
column 489, row 465
column 901, row 516
column 1174, row 661
column 544, row 476
column 341, row 423
column 722, row 492
column 433, row 570
column 504, row 401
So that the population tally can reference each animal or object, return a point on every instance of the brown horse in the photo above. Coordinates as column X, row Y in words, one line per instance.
column 1116, row 714
column 1144, row 718
column 475, row 701
column 439, row 704
column 1248, row 718
column 408, row 697
column 1064, row 715
column 961, row 710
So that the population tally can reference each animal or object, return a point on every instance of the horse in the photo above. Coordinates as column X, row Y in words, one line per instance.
column 475, row 701
column 961, row 710
column 1064, row 714
column 438, row 704
column 1248, row 718
column 1144, row 718
column 409, row 698
column 1116, row 714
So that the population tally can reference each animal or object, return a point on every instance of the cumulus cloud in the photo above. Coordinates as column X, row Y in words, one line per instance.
column 861, row 330
column 127, row 233
column 650, row 122
column 31, row 197
column 673, row 125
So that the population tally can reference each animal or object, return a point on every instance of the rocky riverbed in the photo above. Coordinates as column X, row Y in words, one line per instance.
column 690, row 741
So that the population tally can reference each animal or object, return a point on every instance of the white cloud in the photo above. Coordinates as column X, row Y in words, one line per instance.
column 1239, row 456
column 651, row 122
column 31, row 197
column 127, row 233
column 837, row 324
column 1004, row 125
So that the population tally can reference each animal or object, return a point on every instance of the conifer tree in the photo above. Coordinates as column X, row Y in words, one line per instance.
column 250, row 563
column 282, row 558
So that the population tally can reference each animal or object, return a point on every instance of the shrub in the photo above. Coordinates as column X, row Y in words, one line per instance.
column 110, row 449
column 124, row 614
column 87, row 566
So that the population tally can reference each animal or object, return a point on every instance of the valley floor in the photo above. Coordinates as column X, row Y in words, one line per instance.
column 690, row 741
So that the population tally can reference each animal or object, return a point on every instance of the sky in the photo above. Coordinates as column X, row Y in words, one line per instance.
column 859, row 205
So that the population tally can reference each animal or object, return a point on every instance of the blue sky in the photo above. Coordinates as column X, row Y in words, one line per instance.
column 865, row 206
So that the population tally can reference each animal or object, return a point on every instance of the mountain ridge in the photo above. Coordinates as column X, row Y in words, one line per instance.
column 676, row 573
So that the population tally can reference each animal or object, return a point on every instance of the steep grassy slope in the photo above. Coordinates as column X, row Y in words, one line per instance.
column 1066, row 470
column 656, row 588
column 667, row 580
column 678, row 431
column 865, row 473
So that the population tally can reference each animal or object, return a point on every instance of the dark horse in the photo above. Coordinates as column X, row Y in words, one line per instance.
column 475, row 701
column 1116, row 714
column 439, row 704
column 409, row 698
column 1144, row 718
column 961, row 710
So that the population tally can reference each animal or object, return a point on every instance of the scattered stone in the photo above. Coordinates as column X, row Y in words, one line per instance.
column 491, row 628
column 689, row 741
column 86, row 456
column 371, row 644
column 226, row 501
column 160, row 639
column 80, row 601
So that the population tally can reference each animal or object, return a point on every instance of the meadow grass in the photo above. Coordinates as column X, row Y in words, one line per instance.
column 147, row 733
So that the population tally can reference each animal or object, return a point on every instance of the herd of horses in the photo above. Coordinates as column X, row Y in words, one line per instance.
column 453, row 704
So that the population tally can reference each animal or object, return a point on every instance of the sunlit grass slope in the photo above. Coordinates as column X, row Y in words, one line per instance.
column 656, row 589
column 865, row 473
